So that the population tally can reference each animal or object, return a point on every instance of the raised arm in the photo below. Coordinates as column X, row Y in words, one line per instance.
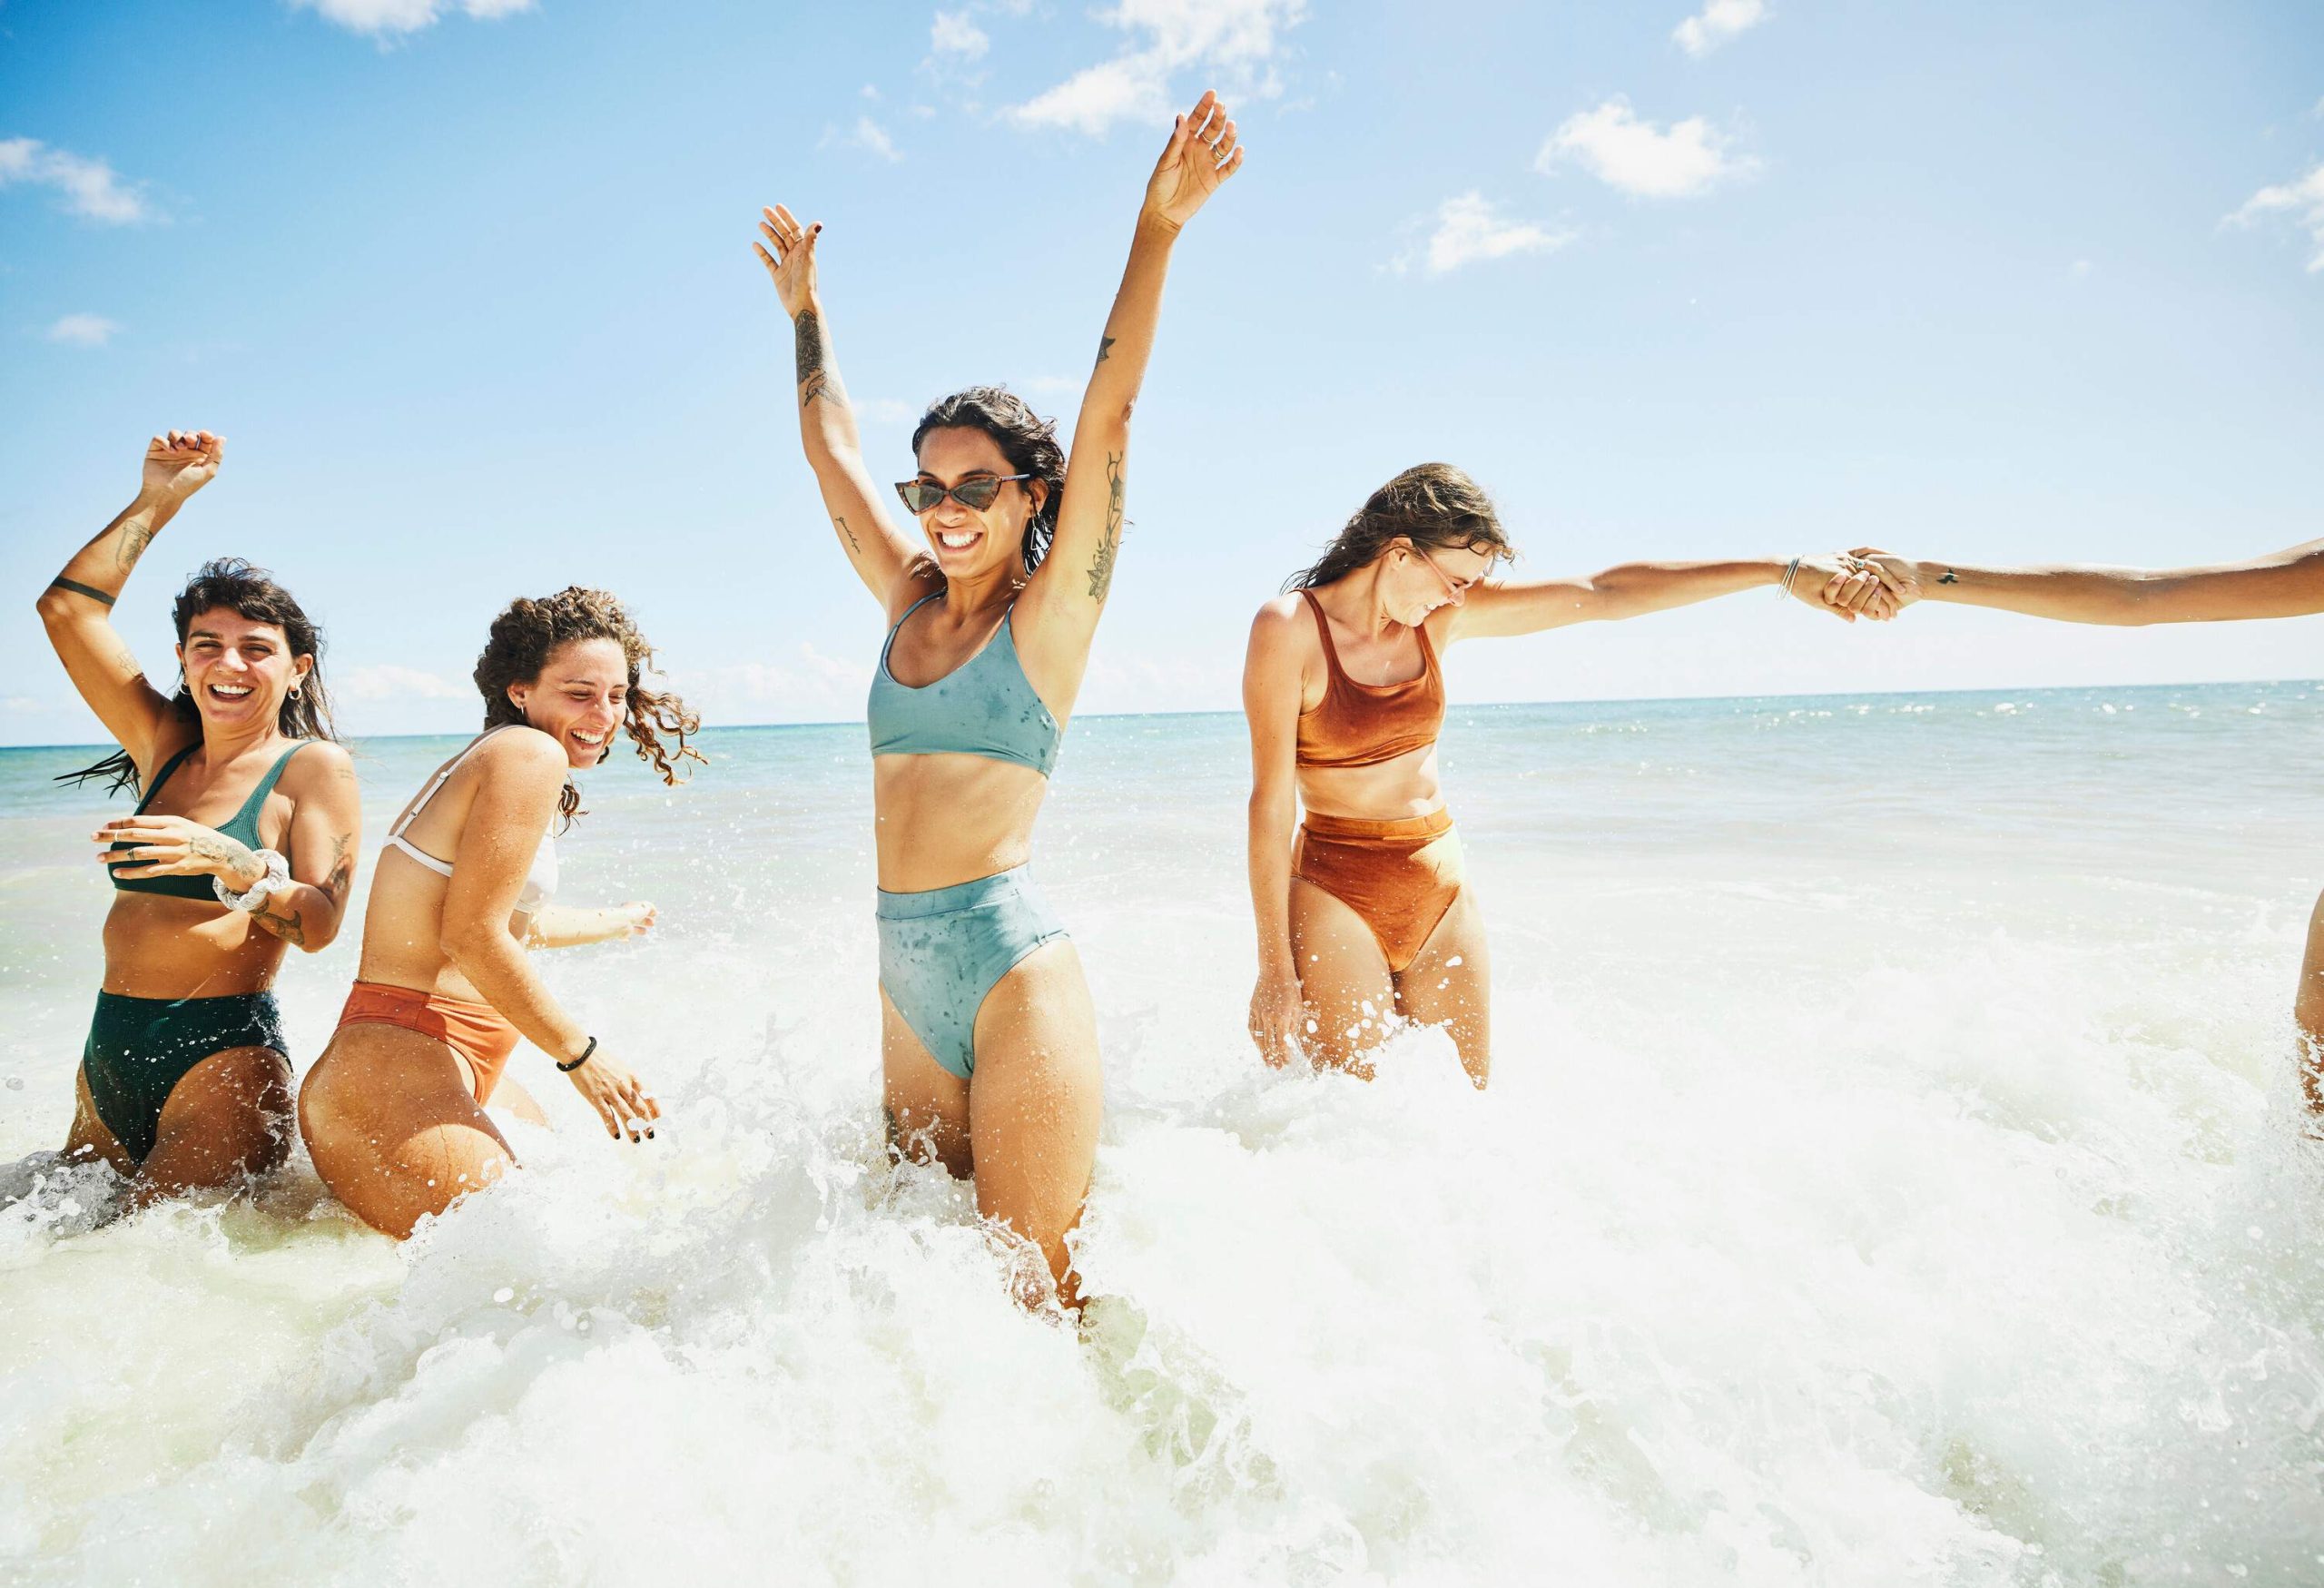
column 515, row 799
column 1511, row 607
column 1272, row 690
column 2282, row 584
column 875, row 549
column 1070, row 587
column 76, row 609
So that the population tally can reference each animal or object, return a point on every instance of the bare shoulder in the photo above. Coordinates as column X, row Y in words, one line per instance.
column 1281, row 622
column 522, row 753
column 315, row 764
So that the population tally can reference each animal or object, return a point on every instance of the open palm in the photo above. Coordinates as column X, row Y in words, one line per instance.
column 1202, row 153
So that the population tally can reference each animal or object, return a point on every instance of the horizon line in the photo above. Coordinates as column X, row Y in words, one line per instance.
column 1480, row 706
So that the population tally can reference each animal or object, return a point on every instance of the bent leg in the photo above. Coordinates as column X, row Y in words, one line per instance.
column 91, row 1137
column 227, row 1119
column 1037, row 1102
column 1343, row 978
column 2308, row 1008
column 1448, row 984
column 927, row 1105
column 394, row 1127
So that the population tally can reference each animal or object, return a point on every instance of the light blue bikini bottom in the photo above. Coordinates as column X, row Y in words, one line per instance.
column 941, row 951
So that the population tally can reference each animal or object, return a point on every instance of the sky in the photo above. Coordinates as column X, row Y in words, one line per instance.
column 467, row 286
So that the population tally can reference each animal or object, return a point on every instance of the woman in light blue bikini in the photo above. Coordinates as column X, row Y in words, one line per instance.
column 989, row 1042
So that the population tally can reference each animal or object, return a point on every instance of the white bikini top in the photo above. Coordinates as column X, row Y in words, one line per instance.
column 540, row 881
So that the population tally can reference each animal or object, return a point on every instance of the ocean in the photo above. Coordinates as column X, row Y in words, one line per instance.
column 1893, row 1173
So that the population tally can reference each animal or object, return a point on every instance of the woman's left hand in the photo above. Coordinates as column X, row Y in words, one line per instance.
column 1202, row 153
column 1844, row 586
column 171, row 846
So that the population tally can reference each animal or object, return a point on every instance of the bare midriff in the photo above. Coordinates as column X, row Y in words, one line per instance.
column 157, row 946
column 950, row 818
column 1383, row 791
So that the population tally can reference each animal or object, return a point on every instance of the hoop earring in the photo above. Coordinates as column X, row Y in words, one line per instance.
column 294, row 690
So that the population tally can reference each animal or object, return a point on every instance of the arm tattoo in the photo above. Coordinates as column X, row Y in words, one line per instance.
column 1101, row 566
column 288, row 928
column 814, row 380
column 1106, row 346
column 135, row 536
column 853, row 545
column 78, row 588
column 342, row 868
column 1948, row 577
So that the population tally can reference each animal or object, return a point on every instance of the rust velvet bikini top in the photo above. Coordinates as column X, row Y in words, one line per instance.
column 1363, row 724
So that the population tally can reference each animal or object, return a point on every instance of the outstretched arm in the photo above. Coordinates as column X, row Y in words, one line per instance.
column 1497, row 607
column 568, row 926
column 2282, row 584
column 875, row 549
column 76, row 609
column 1070, row 587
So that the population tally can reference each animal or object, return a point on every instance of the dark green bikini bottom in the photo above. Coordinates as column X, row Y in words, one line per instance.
column 139, row 1048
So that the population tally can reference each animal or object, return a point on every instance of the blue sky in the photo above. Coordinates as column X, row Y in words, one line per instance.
column 468, row 288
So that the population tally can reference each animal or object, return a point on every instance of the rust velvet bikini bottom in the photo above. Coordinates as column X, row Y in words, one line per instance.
column 1399, row 876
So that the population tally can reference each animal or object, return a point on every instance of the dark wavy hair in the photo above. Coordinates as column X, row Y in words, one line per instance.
column 525, row 635
column 1028, row 440
column 252, row 594
column 1428, row 504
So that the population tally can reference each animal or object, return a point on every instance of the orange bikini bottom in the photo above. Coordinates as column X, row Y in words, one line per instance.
column 1399, row 876
column 478, row 1033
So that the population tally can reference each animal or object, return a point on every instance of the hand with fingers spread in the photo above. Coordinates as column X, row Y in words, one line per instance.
column 788, row 252
column 1277, row 1016
column 1202, row 154
column 1844, row 586
column 179, row 464
column 170, row 846
column 608, row 1086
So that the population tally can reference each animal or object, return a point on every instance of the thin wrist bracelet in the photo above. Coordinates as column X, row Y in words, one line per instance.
column 1790, row 572
column 577, row 1064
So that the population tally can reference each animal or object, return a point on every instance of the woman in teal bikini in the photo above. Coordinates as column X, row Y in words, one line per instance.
column 989, row 1045
column 244, row 841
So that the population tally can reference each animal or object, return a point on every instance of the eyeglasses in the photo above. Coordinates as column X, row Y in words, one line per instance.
column 1455, row 591
column 923, row 496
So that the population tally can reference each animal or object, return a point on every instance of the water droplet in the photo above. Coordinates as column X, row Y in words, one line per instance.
column 1454, row 963
column 503, row 1295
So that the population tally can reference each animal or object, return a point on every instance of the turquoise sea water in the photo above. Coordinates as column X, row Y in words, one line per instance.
column 1891, row 1174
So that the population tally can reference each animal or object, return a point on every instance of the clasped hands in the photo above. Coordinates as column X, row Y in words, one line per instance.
column 1849, row 585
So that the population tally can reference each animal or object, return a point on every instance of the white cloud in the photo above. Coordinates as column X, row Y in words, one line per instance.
column 90, row 186
column 1719, row 21
column 83, row 330
column 1468, row 230
column 886, row 410
column 1235, row 40
column 812, row 685
column 954, row 33
column 1641, row 159
column 1057, row 385
column 390, row 681
column 391, row 16
column 2303, row 200
column 871, row 136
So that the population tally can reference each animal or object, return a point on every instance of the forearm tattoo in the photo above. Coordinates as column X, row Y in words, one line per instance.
column 1948, row 577
column 78, row 588
column 135, row 536
column 853, row 545
column 814, row 380
column 288, row 928
column 1101, row 566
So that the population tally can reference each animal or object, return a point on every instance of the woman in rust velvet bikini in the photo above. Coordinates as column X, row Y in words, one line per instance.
column 1365, row 918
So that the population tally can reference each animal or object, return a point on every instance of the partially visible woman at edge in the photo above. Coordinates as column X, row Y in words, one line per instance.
column 244, row 841
column 1364, row 915
column 393, row 1111
column 2281, row 584
column 989, row 1042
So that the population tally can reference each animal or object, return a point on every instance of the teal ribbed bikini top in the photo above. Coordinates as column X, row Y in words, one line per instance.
column 241, row 827
column 985, row 706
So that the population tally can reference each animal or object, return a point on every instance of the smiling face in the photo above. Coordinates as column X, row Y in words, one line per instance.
column 237, row 670
column 579, row 699
column 1416, row 579
column 966, row 542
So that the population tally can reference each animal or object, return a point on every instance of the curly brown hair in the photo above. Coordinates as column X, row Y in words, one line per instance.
column 529, row 632
column 1428, row 504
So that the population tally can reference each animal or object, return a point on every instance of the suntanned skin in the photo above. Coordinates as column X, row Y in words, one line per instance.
column 391, row 1115
column 1027, row 1129
column 230, row 1116
column 2281, row 584
column 1319, row 963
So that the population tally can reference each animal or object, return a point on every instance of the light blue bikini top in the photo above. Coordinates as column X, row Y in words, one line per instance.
column 985, row 706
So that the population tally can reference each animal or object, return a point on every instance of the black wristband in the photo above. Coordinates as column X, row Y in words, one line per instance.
column 577, row 1064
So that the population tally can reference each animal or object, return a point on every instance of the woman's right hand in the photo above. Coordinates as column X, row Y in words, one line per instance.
column 1278, row 1015
column 789, row 256
column 621, row 1100
column 179, row 464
